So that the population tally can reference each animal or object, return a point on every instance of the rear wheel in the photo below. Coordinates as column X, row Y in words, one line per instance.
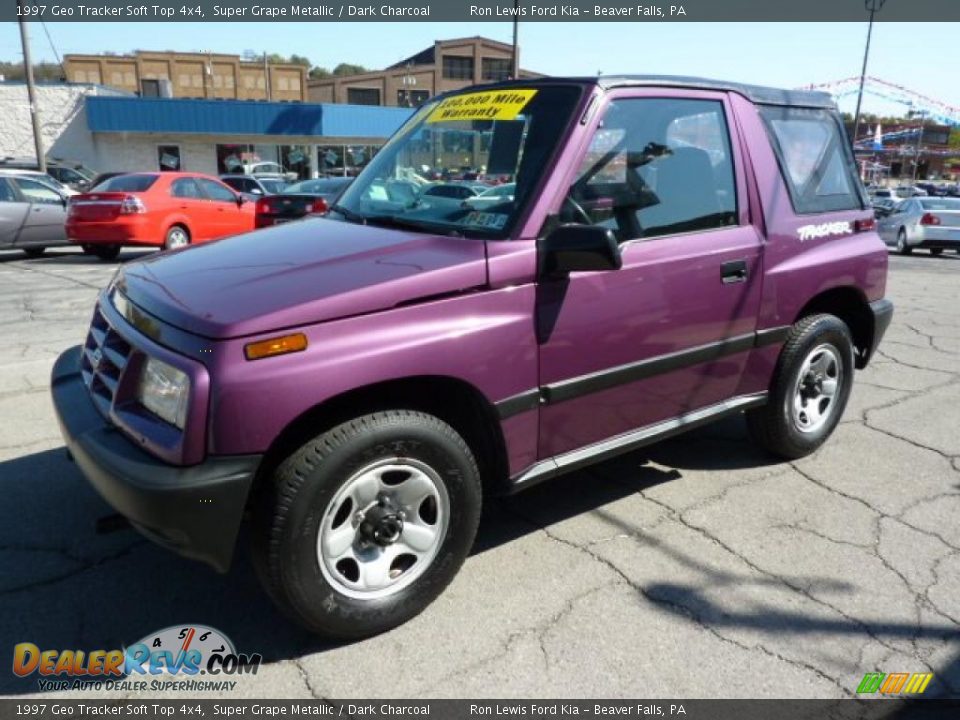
column 936, row 251
column 104, row 252
column 34, row 252
column 364, row 526
column 177, row 237
column 902, row 246
column 810, row 388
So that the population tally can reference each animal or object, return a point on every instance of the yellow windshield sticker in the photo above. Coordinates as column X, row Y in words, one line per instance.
column 489, row 105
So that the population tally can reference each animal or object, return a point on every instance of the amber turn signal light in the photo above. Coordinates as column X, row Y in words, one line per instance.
column 275, row 346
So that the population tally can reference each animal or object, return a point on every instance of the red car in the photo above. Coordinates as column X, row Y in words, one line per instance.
column 166, row 210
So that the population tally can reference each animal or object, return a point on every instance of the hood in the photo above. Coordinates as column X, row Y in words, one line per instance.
column 297, row 274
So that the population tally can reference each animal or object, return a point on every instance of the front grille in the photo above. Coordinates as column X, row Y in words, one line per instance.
column 105, row 356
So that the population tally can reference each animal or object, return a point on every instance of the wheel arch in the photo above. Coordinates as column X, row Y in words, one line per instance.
column 455, row 401
column 178, row 222
column 850, row 305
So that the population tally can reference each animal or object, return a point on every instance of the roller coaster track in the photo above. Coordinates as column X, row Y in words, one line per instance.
column 935, row 110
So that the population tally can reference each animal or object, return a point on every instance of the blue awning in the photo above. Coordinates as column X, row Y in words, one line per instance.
column 238, row 117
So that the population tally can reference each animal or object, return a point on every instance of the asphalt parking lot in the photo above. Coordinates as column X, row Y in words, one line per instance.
column 697, row 568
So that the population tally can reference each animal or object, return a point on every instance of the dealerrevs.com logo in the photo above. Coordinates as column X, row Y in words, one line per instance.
column 183, row 657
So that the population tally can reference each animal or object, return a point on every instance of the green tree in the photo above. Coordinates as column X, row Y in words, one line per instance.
column 349, row 69
column 42, row 72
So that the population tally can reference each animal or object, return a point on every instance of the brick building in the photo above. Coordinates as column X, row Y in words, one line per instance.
column 446, row 65
column 190, row 75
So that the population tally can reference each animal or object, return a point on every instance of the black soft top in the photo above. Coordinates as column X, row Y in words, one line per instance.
column 755, row 93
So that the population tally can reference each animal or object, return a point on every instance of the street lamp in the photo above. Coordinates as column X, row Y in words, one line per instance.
column 874, row 6
column 916, row 152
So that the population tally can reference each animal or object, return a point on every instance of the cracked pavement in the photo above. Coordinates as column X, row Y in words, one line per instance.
column 694, row 568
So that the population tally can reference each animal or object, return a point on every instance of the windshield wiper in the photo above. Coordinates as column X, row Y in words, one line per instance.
column 349, row 214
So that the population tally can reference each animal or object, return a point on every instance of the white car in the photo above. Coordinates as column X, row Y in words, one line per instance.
column 269, row 169
column 42, row 177
column 493, row 196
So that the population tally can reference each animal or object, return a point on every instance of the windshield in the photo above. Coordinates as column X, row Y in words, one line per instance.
column 453, row 150
column 126, row 183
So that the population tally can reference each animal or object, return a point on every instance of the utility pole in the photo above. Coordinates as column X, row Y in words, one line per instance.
column 874, row 6
column 31, row 93
column 515, row 56
column 266, row 75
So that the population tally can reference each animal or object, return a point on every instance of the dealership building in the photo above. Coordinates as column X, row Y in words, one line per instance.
column 107, row 130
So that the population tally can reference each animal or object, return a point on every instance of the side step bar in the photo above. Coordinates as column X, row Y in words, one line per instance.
column 605, row 449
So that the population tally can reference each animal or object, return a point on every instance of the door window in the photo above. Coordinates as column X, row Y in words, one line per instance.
column 655, row 167
column 38, row 192
column 216, row 191
column 815, row 159
column 6, row 192
column 185, row 188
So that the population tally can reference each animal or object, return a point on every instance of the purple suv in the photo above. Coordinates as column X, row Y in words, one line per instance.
column 674, row 250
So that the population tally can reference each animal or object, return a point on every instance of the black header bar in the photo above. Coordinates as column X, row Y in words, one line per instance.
column 477, row 11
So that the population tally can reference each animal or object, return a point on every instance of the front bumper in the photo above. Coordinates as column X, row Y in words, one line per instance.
column 195, row 511
column 882, row 311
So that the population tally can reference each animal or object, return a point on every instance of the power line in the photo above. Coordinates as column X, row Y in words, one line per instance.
column 54, row 49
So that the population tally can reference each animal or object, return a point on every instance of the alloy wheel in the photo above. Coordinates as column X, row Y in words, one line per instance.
column 383, row 528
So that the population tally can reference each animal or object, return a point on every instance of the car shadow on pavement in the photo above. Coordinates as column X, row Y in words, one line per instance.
column 63, row 585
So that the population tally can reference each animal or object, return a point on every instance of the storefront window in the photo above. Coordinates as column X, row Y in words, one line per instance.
column 168, row 158
column 241, row 158
column 296, row 159
column 330, row 160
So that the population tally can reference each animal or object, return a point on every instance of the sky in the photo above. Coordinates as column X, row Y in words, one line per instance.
column 779, row 54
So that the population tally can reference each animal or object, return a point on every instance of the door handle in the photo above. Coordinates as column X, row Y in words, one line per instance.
column 733, row 271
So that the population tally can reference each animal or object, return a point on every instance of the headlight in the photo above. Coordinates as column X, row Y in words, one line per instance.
column 164, row 391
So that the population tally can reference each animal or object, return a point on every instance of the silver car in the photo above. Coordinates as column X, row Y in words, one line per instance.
column 32, row 214
column 922, row 222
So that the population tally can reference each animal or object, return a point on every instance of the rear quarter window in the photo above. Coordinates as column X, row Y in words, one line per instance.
column 127, row 183
column 815, row 159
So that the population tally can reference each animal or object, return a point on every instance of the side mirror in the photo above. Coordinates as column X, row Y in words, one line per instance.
column 579, row 248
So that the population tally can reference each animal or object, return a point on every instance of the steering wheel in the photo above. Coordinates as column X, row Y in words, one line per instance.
column 578, row 210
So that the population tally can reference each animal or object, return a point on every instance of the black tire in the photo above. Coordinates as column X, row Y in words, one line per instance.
column 177, row 236
column 936, row 251
column 290, row 506
column 103, row 252
column 773, row 426
column 902, row 246
column 34, row 252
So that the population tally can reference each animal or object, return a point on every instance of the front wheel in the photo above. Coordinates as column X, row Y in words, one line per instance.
column 364, row 526
column 902, row 246
column 810, row 388
column 936, row 251
column 34, row 252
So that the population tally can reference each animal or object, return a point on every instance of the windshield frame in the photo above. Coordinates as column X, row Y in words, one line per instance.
column 521, row 214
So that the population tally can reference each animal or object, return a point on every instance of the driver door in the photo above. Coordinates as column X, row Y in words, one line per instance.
column 670, row 332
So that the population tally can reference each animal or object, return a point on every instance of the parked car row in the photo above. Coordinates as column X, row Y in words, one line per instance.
column 148, row 209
